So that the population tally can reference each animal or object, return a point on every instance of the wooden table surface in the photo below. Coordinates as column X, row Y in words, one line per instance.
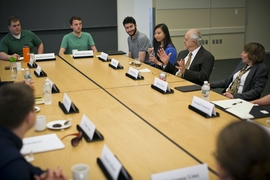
column 148, row 131
column 101, row 73
column 170, row 115
column 140, row 148
column 62, row 74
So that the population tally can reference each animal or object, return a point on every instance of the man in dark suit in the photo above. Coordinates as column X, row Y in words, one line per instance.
column 194, row 64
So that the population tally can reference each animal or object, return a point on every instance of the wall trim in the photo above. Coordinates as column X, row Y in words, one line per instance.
column 210, row 31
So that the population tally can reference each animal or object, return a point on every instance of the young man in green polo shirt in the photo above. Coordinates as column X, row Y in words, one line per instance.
column 12, row 44
column 77, row 39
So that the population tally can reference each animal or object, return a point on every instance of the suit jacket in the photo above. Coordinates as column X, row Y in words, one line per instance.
column 254, row 83
column 5, row 82
column 200, row 68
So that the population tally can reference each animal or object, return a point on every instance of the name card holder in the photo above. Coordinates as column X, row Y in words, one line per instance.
column 78, row 57
column 55, row 89
column 73, row 108
column 161, row 91
column 83, row 54
column 123, row 175
column 118, row 67
column 108, row 59
column 132, row 77
column 42, row 74
column 96, row 137
column 202, row 113
column 34, row 65
column 45, row 57
column 104, row 57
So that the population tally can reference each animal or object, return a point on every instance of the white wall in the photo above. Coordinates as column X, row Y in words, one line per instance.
column 257, row 27
column 124, row 8
column 139, row 9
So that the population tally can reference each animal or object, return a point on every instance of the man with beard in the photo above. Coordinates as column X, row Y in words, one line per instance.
column 12, row 44
column 77, row 39
column 138, row 43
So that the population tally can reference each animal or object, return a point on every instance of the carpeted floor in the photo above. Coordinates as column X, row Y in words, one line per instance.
column 224, row 68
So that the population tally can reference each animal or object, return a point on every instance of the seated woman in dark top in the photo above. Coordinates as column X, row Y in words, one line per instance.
column 162, row 39
column 243, row 152
column 250, row 76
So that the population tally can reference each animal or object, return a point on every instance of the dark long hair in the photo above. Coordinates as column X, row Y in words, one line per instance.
column 167, row 39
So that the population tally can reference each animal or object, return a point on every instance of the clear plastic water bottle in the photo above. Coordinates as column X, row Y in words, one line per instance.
column 153, row 53
column 32, row 58
column 27, row 75
column 206, row 91
column 13, row 68
column 47, row 92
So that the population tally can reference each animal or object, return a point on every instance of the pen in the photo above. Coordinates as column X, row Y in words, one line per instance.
column 237, row 103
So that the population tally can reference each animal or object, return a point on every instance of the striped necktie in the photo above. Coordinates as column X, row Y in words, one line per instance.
column 186, row 65
column 235, row 84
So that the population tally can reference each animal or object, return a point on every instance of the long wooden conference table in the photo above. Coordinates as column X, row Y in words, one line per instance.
column 168, row 114
column 149, row 132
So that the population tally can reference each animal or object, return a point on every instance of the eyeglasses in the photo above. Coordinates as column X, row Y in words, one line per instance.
column 75, row 141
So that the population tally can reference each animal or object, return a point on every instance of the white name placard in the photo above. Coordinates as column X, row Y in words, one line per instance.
column 204, row 106
column 114, row 63
column 104, row 56
column 88, row 53
column 134, row 72
column 163, row 85
column 38, row 70
column 88, row 126
column 45, row 56
column 67, row 102
column 198, row 172
column 110, row 162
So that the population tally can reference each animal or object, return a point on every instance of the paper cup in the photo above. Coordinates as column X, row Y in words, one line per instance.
column 80, row 172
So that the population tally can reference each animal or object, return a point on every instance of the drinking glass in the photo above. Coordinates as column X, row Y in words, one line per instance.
column 137, row 63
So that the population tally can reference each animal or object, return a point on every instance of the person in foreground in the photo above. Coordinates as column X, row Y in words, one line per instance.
column 138, row 43
column 162, row 39
column 264, row 101
column 195, row 63
column 249, row 77
column 17, row 117
column 12, row 44
column 243, row 152
column 29, row 83
column 76, row 39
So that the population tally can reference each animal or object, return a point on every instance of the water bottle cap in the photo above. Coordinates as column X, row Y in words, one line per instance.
column 12, row 59
column 205, row 82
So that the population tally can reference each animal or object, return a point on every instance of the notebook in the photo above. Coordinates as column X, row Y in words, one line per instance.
column 188, row 88
column 43, row 143
column 115, row 52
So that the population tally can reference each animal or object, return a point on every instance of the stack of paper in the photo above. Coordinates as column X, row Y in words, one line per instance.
column 237, row 107
column 41, row 143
